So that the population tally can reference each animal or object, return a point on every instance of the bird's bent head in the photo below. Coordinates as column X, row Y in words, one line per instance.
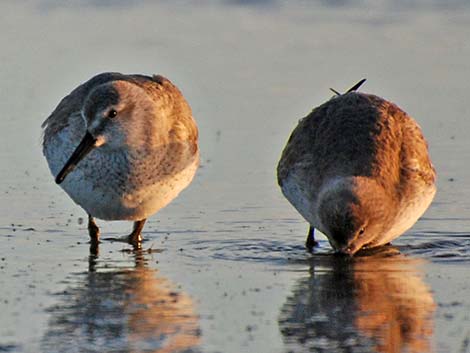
column 352, row 215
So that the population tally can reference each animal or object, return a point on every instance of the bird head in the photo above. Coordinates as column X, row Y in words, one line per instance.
column 117, row 115
column 354, row 214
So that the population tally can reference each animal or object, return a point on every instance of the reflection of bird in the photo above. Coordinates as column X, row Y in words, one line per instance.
column 395, row 307
column 357, row 169
column 122, row 147
column 122, row 310
column 352, row 305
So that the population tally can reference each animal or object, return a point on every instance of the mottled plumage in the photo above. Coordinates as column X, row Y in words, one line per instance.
column 122, row 147
column 357, row 168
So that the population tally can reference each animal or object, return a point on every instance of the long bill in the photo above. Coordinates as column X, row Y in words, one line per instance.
column 85, row 146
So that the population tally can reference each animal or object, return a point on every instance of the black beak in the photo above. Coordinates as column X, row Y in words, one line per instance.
column 345, row 251
column 85, row 146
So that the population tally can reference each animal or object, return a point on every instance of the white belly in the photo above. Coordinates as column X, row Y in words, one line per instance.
column 106, row 191
column 136, row 204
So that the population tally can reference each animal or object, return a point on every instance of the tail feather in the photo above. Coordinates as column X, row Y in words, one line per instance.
column 352, row 89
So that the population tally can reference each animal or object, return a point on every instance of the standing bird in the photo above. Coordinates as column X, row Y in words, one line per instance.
column 122, row 147
column 357, row 169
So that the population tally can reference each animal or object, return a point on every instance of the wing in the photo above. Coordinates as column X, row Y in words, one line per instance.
column 414, row 157
column 160, row 88
column 336, row 138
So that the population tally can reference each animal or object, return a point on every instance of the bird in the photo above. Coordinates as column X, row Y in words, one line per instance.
column 122, row 147
column 357, row 168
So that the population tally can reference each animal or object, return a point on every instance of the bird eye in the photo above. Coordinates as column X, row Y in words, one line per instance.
column 112, row 113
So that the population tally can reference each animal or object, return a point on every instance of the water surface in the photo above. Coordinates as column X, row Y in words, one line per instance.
column 224, row 268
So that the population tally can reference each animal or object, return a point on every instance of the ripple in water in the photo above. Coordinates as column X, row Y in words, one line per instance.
column 434, row 246
column 438, row 246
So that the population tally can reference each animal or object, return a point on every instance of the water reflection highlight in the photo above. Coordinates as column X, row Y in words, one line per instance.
column 377, row 302
column 112, row 309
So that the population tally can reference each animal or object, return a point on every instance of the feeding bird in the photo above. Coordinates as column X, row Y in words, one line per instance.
column 122, row 147
column 357, row 169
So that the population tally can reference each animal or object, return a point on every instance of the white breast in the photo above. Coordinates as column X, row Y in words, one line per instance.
column 102, row 185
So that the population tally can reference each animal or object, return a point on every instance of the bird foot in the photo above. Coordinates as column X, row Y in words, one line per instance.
column 129, row 239
column 93, row 230
column 135, row 238
column 310, row 243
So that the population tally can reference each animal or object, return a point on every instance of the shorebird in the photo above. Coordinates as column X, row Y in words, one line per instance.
column 122, row 147
column 357, row 169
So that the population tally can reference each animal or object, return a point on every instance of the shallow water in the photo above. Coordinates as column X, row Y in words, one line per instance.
column 224, row 268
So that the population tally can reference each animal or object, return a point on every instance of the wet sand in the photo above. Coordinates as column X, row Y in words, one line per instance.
column 227, row 270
